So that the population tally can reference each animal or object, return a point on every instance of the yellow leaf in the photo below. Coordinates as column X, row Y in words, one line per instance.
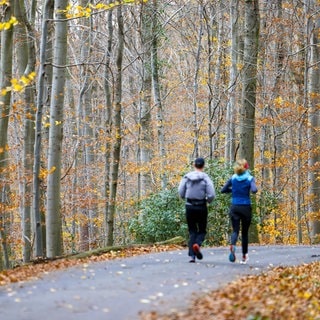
column 17, row 87
column 7, row 26
column 52, row 170
column 99, row 6
column 278, row 100
column 13, row 21
column 31, row 75
column 24, row 80
column 14, row 81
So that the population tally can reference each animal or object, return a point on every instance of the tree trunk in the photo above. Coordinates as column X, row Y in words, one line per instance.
column 27, row 64
column 249, row 81
column 5, row 106
column 232, row 105
column 108, row 127
column 54, row 222
column 195, row 118
column 37, row 180
column 86, row 112
column 146, row 136
column 157, row 95
column 266, row 128
column 117, row 130
column 5, row 263
column 313, row 86
column 273, row 136
column 217, row 88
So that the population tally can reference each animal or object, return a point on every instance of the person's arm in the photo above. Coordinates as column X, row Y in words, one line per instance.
column 227, row 188
column 253, row 186
column 182, row 188
column 210, row 190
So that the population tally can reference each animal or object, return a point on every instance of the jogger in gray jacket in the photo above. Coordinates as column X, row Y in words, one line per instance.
column 197, row 189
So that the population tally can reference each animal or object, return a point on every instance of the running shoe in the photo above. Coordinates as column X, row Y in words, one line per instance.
column 192, row 260
column 232, row 255
column 245, row 259
column 197, row 252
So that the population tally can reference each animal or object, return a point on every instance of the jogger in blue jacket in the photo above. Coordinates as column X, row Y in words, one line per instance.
column 240, row 185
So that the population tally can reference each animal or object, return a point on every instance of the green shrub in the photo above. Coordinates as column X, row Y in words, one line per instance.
column 162, row 216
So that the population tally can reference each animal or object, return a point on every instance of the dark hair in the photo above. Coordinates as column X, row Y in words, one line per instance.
column 199, row 163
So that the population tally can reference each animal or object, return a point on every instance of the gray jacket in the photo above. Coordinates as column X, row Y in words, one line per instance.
column 197, row 185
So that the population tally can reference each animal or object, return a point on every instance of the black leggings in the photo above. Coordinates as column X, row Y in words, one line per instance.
column 197, row 217
column 241, row 215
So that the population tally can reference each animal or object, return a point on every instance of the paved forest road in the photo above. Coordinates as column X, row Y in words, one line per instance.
column 119, row 289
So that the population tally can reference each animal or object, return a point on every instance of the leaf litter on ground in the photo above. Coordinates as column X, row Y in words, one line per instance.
column 282, row 293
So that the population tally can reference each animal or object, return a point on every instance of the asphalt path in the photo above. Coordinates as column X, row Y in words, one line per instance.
column 121, row 289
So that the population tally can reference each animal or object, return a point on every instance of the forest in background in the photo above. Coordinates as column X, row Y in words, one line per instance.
column 105, row 104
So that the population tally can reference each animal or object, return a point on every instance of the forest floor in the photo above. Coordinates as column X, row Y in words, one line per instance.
column 283, row 292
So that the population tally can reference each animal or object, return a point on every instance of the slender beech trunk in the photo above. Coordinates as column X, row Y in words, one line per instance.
column 249, row 80
column 5, row 106
column 85, row 109
column 27, row 64
column 108, row 124
column 195, row 112
column 146, row 137
column 54, row 221
column 215, row 116
column 272, row 136
column 266, row 143
column 232, row 103
column 157, row 95
column 313, row 86
column 116, row 148
column 210, row 83
column 277, row 129
column 42, row 74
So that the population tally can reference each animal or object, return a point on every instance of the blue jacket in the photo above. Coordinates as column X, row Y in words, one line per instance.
column 240, row 186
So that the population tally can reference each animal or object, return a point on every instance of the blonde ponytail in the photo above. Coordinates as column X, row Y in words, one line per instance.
column 240, row 166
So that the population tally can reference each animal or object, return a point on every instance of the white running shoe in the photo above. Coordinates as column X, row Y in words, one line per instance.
column 245, row 259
